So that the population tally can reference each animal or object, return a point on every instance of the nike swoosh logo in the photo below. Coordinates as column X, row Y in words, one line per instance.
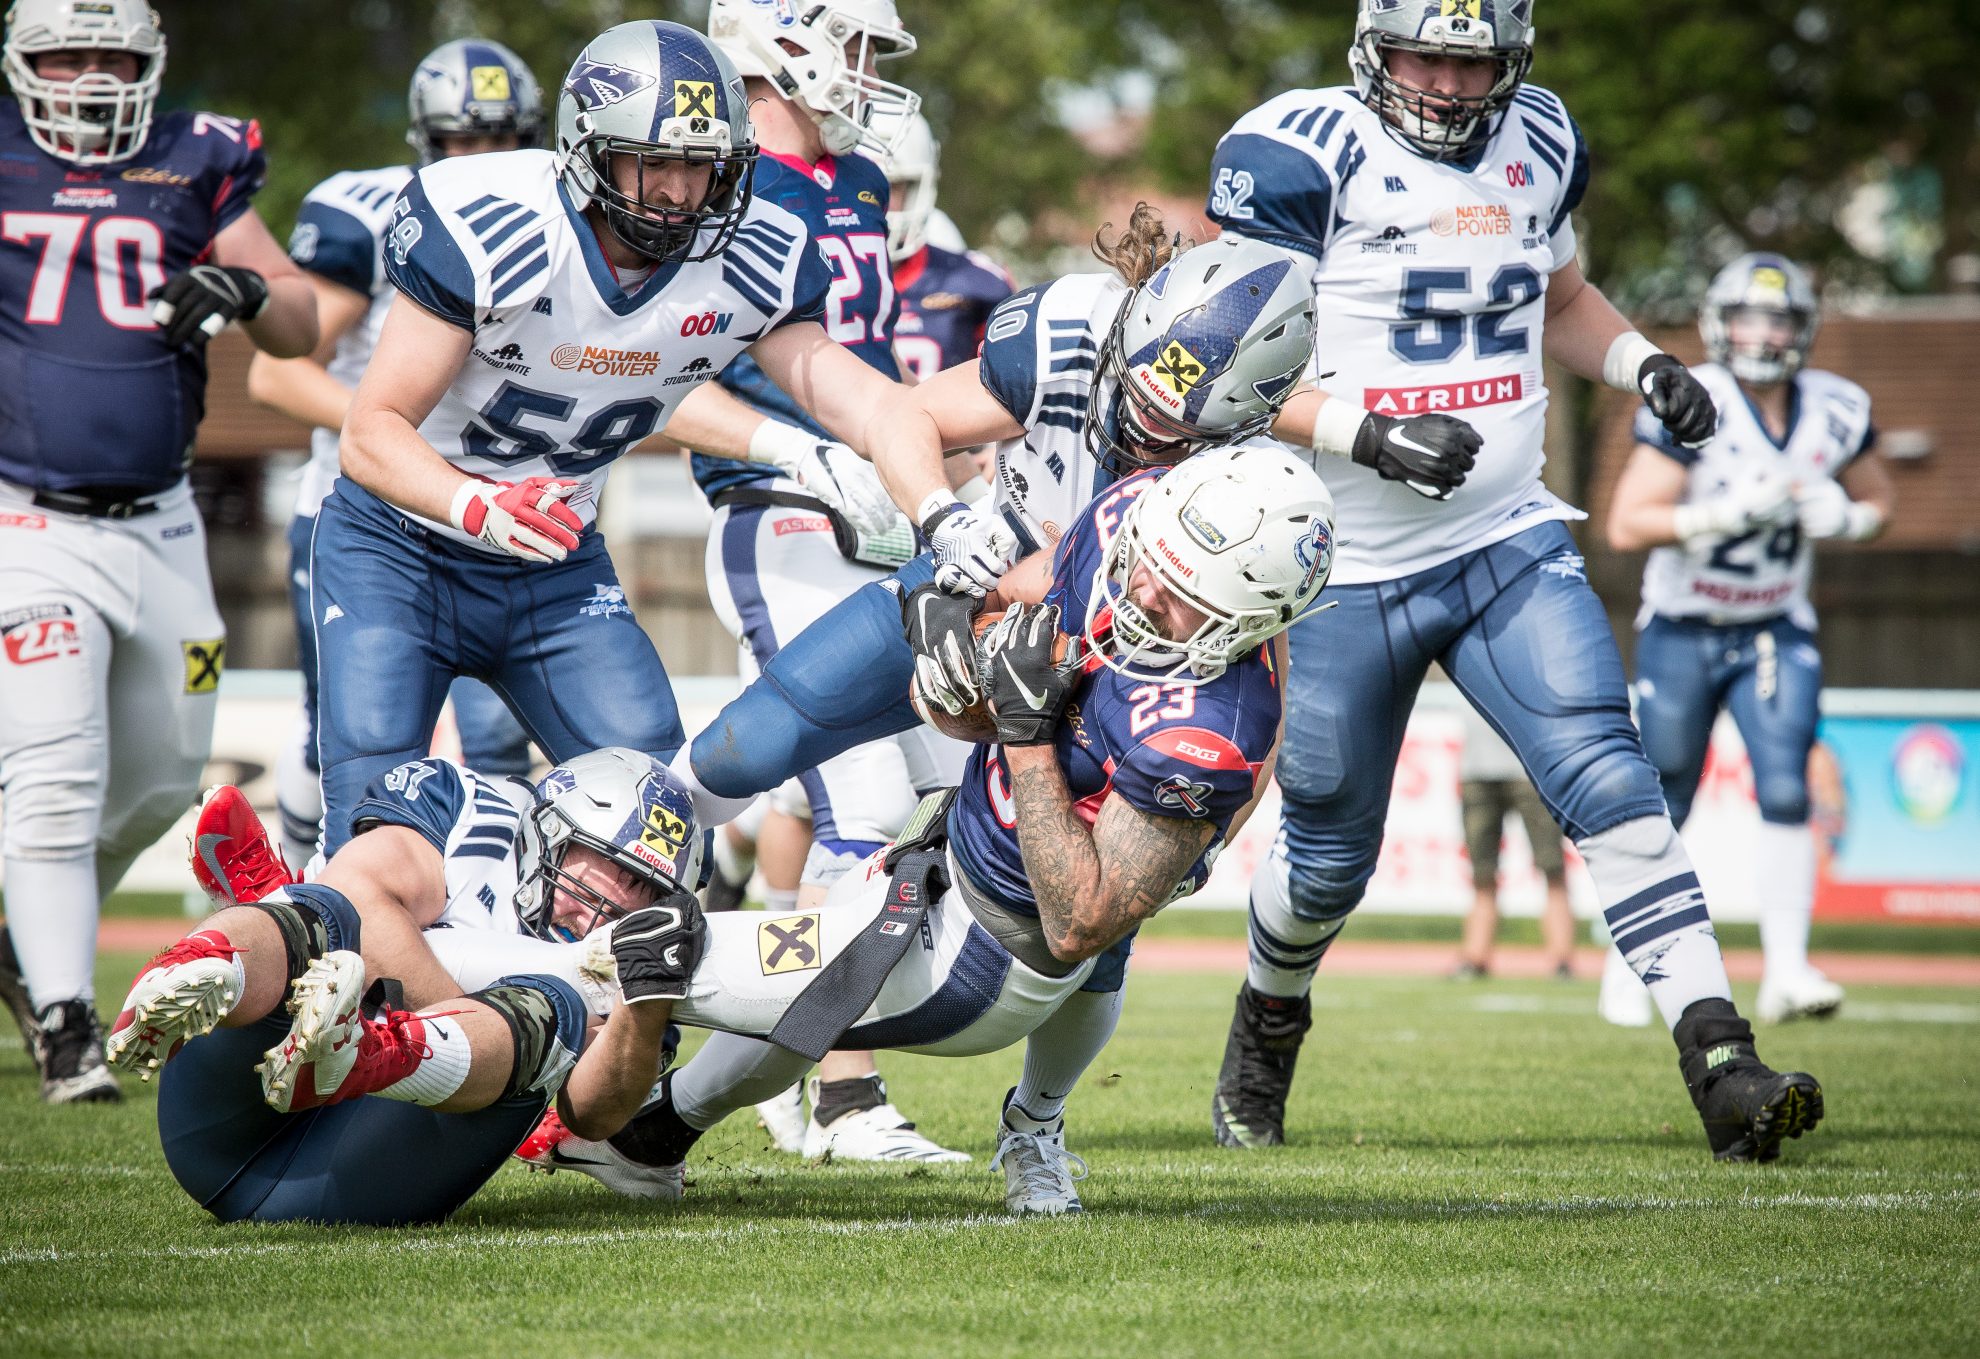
column 1036, row 700
column 1400, row 438
column 205, row 845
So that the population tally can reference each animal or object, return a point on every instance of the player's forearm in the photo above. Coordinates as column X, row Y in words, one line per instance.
column 1581, row 332
column 616, row 1073
column 1059, row 855
column 905, row 445
column 713, row 421
column 301, row 389
column 1636, row 527
column 382, row 452
column 287, row 326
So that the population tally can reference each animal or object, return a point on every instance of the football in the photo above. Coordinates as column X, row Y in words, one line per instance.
column 973, row 724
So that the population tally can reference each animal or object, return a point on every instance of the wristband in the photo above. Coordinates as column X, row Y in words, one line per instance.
column 1861, row 520
column 935, row 507
column 1625, row 359
column 780, row 445
column 1336, row 425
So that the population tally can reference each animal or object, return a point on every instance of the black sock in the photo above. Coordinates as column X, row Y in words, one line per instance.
column 836, row 1099
column 657, row 1136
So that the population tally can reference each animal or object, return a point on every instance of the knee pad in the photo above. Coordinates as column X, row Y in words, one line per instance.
column 546, row 1022
column 314, row 919
column 50, row 813
column 1324, row 892
column 1783, row 799
column 1602, row 784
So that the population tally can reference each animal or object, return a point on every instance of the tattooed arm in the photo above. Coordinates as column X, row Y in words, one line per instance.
column 1094, row 885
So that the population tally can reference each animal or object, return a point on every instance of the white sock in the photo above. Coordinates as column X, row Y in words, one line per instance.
column 1058, row 1052
column 731, row 1072
column 441, row 1073
column 1285, row 949
column 710, row 809
column 299, row 799
column 51, row 913
column 1784, row 863
column 780, row 901
column 1656, row 911
column 735, row 856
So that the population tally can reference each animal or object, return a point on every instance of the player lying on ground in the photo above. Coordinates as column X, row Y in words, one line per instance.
column 1114, row 777
column 261, row 1118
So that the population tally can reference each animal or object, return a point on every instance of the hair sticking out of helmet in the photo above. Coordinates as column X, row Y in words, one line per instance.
column 1204, row 352
column 1242, row 538
column 821, row 54
column 624, row 807
column 913, row 170
column 1759, row 319
column 471, row 87
column 1441, row 124
column 642, row 96
column 1141, row 248
column 85, row 116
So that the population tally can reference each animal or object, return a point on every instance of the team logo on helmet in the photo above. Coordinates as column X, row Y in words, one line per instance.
column 1461, row 9
column 1177, row 369
column 694, row 99
column 1770, row 282
column 596, row 84
column 1313, row 552
column 490, row 83
column 1201, row 529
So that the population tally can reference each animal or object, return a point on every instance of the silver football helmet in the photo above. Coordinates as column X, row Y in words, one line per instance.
column 472, row 87
column 835, row 41
column 912, row 169
column 94, row 119
column 622, row 804
column 1204, row 353
column 1774, row 292
column 650, row 89
column 1441, row 126
column 1244, row 536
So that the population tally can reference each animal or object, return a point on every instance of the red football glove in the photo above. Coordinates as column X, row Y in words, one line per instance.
column 527, row 519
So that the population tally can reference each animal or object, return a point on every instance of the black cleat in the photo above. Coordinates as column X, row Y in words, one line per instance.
column 13, row 991
column 1747, row 1107
column 72, row 1067
column 1249, row 1108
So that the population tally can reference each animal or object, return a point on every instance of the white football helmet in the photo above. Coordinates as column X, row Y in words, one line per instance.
column 653, row 89
column 837, row 40
column 1440, row 127
column 472, row 86
column 1204, row 353
column 1244, row 536
column 1766, row 288
column 913, row 169
column 620, row 803
column 95, row 119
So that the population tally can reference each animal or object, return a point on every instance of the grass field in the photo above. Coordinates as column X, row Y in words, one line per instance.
column 1475, row 1170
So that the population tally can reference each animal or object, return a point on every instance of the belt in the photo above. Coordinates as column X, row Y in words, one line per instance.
column 96, row 506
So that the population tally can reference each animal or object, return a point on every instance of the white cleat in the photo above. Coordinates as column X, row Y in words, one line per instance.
column 1040, row 1176
column 876, row 1134
column 1624, row 1000
column 309, row 1065
column 181, row 995
column 554, row 1147
column 1809, row 996
column 782, row 1116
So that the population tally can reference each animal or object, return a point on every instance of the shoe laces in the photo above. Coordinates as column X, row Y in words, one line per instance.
column 1043, row 1165
column 386, row 1040
column 194, row 948
column 259, row 865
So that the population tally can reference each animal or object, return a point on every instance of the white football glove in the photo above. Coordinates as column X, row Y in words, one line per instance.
column 526, row 519
column 1826, row 511
column 1765, row 501
column 839, row 477
column 972, row 549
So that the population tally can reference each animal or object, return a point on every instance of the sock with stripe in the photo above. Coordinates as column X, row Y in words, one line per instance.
column 1286, row 949
column 1656, row 912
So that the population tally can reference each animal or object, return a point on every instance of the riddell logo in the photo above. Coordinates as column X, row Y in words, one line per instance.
column 1480, row 219
column 1449, row 396
column 606, row 362
column 1175, row 560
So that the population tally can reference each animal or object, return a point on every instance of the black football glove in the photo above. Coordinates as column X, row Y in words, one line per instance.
column 1027, row 691
column 1678, row 399
column 657, row 949
column 1428, row 453
column 195, row 306
column 939, row 628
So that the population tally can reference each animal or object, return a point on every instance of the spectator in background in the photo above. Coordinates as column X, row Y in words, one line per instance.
column 1494, row 784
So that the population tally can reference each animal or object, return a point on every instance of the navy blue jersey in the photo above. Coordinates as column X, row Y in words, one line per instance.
column 1180, row 750
column 842, row 202
column 94, row 395
column 946, row 300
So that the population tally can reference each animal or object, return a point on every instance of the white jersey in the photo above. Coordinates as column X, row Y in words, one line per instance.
column 1431, row 279
column 340, row 237
column 568, row 370
column 472, row 820
column 1762, row 573
column 1041, row 351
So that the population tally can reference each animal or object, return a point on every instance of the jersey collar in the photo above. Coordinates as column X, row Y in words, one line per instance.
column 909, row 271
column 600, row 268
column 822, row 172
column 1760, row 421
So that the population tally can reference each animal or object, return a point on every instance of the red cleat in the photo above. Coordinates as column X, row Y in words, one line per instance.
column 332, row 1052
column 181, row 994
column 233, row 860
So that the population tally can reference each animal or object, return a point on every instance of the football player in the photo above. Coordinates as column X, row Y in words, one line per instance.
column 128, row 239
column 554, row 309
column 1085, row 380
column 806, row 522
column 446, row 872
column 467, row 96
column 1430, row 203
column 1726, row 621
column 1115, row 775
